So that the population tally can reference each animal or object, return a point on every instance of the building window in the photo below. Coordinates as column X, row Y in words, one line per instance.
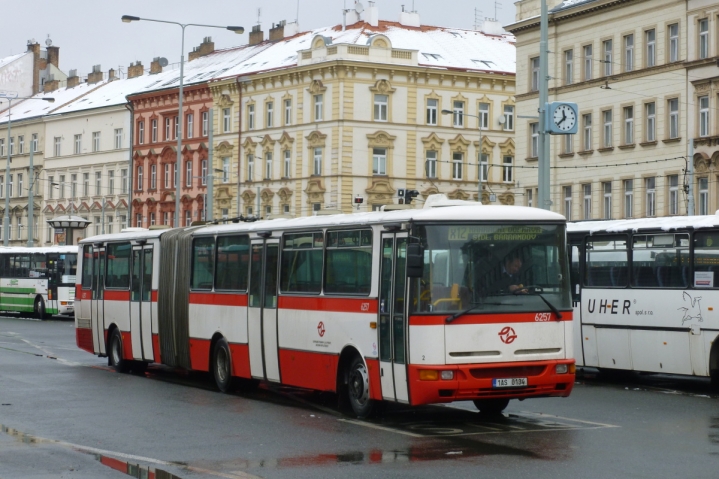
column 78, row 144
column 226, row 120
column 458, row 116
column 674, row 42
column 50, row 187
column 177, row 127
column 607, row 189
column 57, row 142
column 703, row 38
column 704, row 116
column 651, row 127
column 73, row 185
column 123, row 181
column 20, row 185
column 568, row 67
column 528, row 197
column 568, row 143
column 167, row 175
column 588, row 61
column 534, row 62
column 138, row 220
column 431, row 164
column 288, row 112
column 568, row 202
column 152, row 219
column 317, row 165
column 139, row 178
column 21, row 144
column 607, row 140
column 111, row 182
column 629, row 53
column 628, row 198
column 628, row 125
column 62, row 186
column 250, row 117
column 534, row 146
column 457, row 165
column 673, row 194
column 190, row 125
column 587, row 132
column 33, row 141
column 318, row 107
column 287, row 169
column 205, row 123
column 607, row 48
column 153, row 131
column 674, row 118
column 381, row 103
column 269, row 113
column 507, row 170
column 587, row 189
column 123, row 223
column 268, row 165
column 12, row 145
column 2, row 147
column 509, row 117
column 203, row 172
column 250, row 167
column 118, row 138
column 188, row 173
column 650, row 37
column 95, row 141
column 703, row 196
column 188, row 217
column 98, row 183
column 484, row 116
column 175, row 178
column 153, row 177
column 432, row 106
column 651, row 195
column 168, row 129
column 379, row 161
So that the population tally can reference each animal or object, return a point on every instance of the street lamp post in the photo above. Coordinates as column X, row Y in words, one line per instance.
column 236, row 29
column 479, row 157
column 6, row 217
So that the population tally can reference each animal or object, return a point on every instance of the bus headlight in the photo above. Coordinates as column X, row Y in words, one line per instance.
column 447, row 375
column 565, row 368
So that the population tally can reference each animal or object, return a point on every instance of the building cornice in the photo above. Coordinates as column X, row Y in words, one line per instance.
column 571, row 13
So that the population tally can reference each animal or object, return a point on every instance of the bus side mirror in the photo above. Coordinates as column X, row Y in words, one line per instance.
column 415, row 260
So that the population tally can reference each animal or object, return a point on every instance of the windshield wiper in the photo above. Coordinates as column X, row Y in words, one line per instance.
column 546, row 301
column 456, row 315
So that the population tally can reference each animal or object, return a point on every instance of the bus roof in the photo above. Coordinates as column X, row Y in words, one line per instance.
column 670, row 223
column 40, row 249
column 465, row 214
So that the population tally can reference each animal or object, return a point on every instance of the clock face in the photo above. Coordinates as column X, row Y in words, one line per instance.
column 564, row 117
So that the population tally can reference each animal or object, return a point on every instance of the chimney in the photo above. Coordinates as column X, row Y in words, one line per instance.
column 72, row 79
column 95, row 76
column 53, row 56
column 155, row 66
column 277, row 32
column 51, row 84
column 135, row 70
column 291, row 29
column 256, row 35
column 371, row 15
column 111, row 75
column 206, row 47
column 34, row 47
column 409, row 19
column 490, row 26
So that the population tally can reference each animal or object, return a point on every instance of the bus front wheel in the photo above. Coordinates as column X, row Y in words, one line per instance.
column 358, row 388
column 491, row 406
column 39, row 309
column 117, row 361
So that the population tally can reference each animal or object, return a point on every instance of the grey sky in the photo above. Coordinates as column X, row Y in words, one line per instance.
column 89, row 32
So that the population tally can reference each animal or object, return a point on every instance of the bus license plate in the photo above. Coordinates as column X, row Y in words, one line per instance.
column 509, row 383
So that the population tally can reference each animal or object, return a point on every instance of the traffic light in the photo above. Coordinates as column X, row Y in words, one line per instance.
column 359, row 200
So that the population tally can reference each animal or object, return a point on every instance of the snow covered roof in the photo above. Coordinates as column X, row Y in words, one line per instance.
column 569, row 4
column 25, row 109
column 10, row 59
column 668, row 223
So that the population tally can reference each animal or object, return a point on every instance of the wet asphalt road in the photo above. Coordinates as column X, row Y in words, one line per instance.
column 64, row 413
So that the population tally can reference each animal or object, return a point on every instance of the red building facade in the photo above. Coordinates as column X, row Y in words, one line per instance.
column 155, row 155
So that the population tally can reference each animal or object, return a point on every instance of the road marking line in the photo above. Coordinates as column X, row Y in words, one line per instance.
column 381, row 428
column 569, row 419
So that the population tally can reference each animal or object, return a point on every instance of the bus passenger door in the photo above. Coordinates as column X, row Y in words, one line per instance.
column 140, row 303
column 392, row 318
column 262, row 310
column 97, row 308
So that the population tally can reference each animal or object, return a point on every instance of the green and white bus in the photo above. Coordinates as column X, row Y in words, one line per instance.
column 38, row 281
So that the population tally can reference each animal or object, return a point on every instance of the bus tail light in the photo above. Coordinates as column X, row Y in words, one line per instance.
column 428, row 375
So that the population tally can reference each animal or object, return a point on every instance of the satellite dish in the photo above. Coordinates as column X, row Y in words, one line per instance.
column 48, row 42
column 163, row 61
column 501, row 120
column 359, row 8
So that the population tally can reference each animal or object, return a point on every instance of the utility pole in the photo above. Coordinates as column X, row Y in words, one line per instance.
column 544, row 198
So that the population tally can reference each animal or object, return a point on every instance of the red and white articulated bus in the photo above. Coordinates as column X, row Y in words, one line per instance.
column 410, row 306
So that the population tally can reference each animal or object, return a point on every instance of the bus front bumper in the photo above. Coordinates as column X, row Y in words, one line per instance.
column 478, row 381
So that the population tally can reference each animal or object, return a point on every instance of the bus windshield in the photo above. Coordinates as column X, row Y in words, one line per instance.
column 503, row 268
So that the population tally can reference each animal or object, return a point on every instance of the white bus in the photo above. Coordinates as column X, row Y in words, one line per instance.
column 38, row 281
column 399, row 306
column 644, row 292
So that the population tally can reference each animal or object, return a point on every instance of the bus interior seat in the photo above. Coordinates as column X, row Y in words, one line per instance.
column 618, row 275
column 644, row 276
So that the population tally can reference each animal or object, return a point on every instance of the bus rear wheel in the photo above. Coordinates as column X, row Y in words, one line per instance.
column 491, row 406
column 358, row 388
column 222, row 366
column 39, row 309
column 120, row 364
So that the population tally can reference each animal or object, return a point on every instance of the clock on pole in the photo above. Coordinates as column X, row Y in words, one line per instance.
column 561, row 118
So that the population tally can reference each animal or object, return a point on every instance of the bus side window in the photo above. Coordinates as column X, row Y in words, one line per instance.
column 87, row 267
column 607, row 264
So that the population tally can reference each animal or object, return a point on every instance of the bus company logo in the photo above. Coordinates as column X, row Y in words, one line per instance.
column 321, row 329
column 507, row 335
column 364, row 307
column 609, row 306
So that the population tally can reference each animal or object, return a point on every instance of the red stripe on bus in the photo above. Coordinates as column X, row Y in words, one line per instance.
column 375, row 384
column 200, row 354
column 220, row 299
column 240, row 360
column 111, row 295
column 84, row 293
column 317, row 303
column 440, row 320
column 309, row 370
column 126, row 344
column 156, row 348
column 83, row 338
column 154, row 296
